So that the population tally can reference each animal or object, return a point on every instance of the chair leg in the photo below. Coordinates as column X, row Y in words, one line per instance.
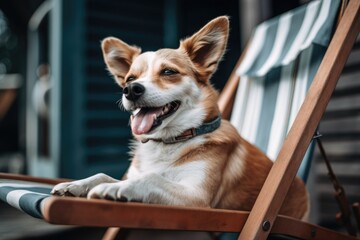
column 356, row 209
column 111, row 233
column 7, row 97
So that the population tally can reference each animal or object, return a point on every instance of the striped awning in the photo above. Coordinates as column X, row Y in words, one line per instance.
column 278, row 69
column 279, row 41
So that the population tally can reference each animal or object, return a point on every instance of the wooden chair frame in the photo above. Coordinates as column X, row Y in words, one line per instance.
column 264, row 218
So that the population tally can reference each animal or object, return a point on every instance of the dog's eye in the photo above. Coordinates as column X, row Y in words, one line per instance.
column 168, row 72
column 130, row 78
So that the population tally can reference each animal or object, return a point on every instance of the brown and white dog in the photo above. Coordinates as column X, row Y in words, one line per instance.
column 183, row 155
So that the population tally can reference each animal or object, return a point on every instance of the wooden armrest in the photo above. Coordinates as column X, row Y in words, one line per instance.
column 33, row 179
column 104, row 213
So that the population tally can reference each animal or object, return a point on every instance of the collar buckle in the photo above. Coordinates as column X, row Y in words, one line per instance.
column 188, row 134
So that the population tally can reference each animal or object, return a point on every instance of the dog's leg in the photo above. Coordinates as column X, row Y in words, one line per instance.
column 153, row 188
column 80, row 188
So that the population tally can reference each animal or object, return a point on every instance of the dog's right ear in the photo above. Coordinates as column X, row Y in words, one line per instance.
column 118, row 56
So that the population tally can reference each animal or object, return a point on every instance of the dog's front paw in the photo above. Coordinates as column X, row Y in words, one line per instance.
column 110, row 191
column 75, row 189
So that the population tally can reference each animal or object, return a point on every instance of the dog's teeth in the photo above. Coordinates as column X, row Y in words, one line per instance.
column 166, row 109
column 136, row 111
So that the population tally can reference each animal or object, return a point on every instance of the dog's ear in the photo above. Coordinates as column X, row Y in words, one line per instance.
column 118, row 56
column 206, row 47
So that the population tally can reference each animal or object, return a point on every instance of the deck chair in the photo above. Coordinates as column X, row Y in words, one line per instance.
column 298, row 119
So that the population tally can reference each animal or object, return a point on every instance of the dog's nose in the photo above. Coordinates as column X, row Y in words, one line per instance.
column 133, row 91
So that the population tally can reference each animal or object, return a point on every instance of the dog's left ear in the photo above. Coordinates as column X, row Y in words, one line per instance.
column 206, row 47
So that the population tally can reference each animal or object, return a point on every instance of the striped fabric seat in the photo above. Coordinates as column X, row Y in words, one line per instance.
column 25, row 196
column 282, row 59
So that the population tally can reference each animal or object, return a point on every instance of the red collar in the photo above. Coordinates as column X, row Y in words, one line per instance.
column 190, row 133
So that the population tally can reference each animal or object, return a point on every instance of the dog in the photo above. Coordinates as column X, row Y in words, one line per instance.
column 184, row 153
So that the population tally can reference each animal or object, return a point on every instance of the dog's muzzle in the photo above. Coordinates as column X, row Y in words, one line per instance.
column 133, row 91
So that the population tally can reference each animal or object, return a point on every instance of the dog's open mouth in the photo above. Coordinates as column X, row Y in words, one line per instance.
column 146, row 119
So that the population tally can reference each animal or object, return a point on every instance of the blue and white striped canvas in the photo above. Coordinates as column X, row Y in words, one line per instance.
column 25, row 196
column 277, row 70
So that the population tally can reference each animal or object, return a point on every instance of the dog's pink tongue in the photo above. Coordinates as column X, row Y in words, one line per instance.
column 142, row 122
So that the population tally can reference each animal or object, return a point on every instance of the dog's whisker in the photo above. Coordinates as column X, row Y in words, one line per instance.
column 120, row 104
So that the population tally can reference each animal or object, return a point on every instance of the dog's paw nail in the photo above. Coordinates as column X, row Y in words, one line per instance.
column 92, row 195
column 109, row 197
column 68, row 194
column 55, row 192
column 123, row 199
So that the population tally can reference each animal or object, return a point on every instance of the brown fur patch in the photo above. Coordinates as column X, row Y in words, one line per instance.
column 210, row 95
column 174, row 60
column 236, row 171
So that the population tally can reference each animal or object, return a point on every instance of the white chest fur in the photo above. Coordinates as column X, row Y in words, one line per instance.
column 157, row 173
column 159, row 158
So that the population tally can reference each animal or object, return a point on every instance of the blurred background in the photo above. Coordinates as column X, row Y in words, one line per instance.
column 58, row 105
